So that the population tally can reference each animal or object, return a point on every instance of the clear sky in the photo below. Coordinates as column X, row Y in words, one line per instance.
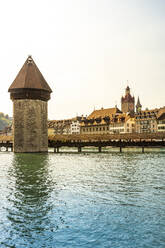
column 86, row 50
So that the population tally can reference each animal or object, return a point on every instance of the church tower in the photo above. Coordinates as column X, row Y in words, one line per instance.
column 127, row 102
column 138, row 106
column 30, row 94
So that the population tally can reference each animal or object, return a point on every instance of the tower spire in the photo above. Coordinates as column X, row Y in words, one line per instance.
column 127, row 102
column 138, row 105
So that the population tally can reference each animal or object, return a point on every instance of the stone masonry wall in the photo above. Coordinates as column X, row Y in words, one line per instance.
column 30, row 126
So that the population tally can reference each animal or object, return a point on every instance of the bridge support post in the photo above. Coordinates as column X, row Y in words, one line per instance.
column 142, row 149
column 56, row 149
column 100, row 148
column 79, row 148
column 120, row 149
column 7, row 148
column 11, row 149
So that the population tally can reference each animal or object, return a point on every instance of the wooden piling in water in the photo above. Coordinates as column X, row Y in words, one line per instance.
column 79, row 148
column 100, row 148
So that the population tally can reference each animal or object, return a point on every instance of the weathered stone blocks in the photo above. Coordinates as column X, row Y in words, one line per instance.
column 30, row 125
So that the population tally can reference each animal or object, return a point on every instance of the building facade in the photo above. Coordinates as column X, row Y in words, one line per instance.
column 66, row 126
column 161, row 120
column 108, row 121
column 75, row 125
column 98, row 121
column 146, row 121
column 130, row 126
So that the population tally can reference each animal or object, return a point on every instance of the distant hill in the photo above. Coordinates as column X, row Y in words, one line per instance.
column 5, row 121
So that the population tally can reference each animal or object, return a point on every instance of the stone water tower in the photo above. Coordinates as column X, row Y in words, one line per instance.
column 30, row 94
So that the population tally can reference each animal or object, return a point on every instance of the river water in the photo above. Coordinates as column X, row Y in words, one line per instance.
column 86, row 200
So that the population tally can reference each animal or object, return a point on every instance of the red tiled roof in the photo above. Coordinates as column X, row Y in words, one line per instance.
column 104, row 112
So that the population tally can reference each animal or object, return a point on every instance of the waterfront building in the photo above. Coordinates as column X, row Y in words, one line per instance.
column 75, row 125
column 161, row 120
column 146, row 121
column 113, row 120
column 117, row 124
column 127, row 102
column 129, row 126
column 66, row 126
column 98, row 121
column 108, row 121
column 122, row 123
column 30, row 94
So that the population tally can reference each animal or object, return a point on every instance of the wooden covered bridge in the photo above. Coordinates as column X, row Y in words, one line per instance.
column 107, row 140
column 149, row 140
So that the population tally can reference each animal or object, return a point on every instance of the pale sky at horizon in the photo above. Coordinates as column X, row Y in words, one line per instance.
column 86, row 51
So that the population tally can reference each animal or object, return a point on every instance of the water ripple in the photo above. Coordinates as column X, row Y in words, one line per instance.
column 82, row 200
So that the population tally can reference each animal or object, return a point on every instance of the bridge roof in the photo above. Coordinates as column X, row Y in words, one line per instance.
column 30, row 77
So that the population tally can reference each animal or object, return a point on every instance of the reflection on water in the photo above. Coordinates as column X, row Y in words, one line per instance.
column 77, row 200
column 28, row 214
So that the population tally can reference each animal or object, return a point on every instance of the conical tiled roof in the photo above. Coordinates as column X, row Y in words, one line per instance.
column 30, row 77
